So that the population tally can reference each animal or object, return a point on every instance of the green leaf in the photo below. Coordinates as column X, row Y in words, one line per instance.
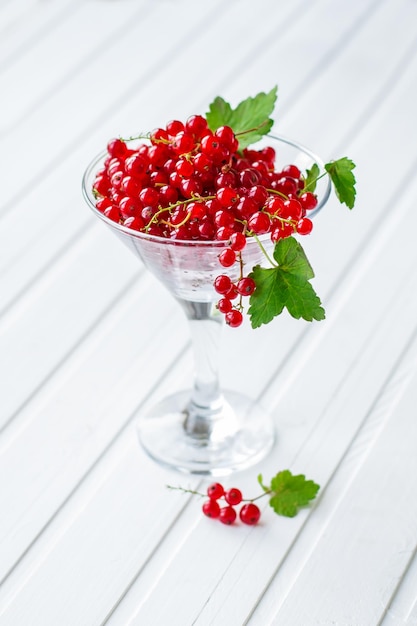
column 343, row 179
column 311, row 178
column 289, row 493
column 250, row 120
column 260, row 481
column 284, row 286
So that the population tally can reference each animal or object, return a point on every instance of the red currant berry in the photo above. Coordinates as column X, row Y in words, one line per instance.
column 227, row 257
column 158, row 135
column 117, row 148
column 102, row 185
column 113, row 213
column 250, row 514
column 285, row 185
column 234, row 318
column 232, row 293
column 202, row 163
column 268, row 154
column 237, row 241
column 304, row 226
column 259, row 194
column 215, row 491
column 308, row 200
column 102, row 204
column 183, row 142
column 226, row 136
column 206, row 229
column 227, row 196
column 211, row 508
column 149, row 197
column 291, row 170
column 196, row 210
column 135, row 223
column 197, row 125
column 222, row 284
column 174, row 127
column 227, row 515
column 249, row 177
column 259, row 223
column 191, row 187
column 184, row 167
column 292, row 210
column 224, row 218
column 233, row 496
column 224, row 305
column 246, row 286
column 224, row 233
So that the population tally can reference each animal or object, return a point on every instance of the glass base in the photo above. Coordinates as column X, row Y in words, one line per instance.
column 235, row 435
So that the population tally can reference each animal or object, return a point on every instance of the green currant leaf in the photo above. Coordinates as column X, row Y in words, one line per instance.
column 286, row 285
column 311, row 178
column 220, row 114
column 289, row 493
column 343, row 179
column 249, row 121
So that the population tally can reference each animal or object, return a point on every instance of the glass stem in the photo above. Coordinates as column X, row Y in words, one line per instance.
column 207, row 414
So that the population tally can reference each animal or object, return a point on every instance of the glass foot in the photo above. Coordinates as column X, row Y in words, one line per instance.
column 235, row 435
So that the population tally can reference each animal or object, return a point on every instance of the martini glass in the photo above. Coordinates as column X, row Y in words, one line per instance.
column 205, row 429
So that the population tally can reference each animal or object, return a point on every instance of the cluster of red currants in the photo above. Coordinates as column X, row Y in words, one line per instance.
column 249, row 512
column 189, row 183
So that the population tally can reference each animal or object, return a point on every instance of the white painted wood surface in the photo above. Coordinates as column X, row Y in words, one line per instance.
column 89, row 534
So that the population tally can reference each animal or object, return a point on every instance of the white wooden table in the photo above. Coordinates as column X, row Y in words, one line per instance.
column 89, row 534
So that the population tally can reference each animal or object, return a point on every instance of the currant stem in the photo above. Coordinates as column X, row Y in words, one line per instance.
column 135, row 138
column 263, row 250
column 250, row 130
column 191, row 491
column 314, row 181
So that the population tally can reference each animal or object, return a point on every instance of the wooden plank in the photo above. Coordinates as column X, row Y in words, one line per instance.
column 144, row 485
column 56, row 441
column 46, row 67
column 24, row 22
column 30, row 351
column 352, row 567
column 402, row 610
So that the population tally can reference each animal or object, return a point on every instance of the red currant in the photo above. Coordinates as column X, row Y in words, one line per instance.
column 224, row 305
column 234, row 318
column 174, row 127
column 259, row 223
column 250, row 514
column 211, row 508
column 233, row 496
column 215, row 491
column 197, row 125
column 227, row 515
column 246, row 286
column 304, row 226
column 227, row 196
column 237, row 241
column 117, row 148
column 291, row 170
column 227, row 257
column 308, row 201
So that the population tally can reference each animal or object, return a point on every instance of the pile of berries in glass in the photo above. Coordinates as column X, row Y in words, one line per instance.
column 189, row 183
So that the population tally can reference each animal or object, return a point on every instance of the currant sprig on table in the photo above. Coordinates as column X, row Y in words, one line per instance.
column 200, row 181
column 287, row 494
